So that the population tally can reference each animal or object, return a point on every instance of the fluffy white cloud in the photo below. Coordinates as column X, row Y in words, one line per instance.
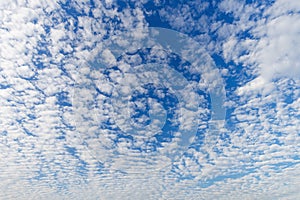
column 277, row 51
column 54, row 104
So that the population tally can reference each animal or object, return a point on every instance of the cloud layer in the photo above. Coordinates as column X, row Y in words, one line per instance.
column 59, row 129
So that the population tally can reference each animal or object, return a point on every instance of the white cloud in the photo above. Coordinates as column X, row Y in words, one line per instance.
column 274, row 46
column 277, row 49
column 256, row 160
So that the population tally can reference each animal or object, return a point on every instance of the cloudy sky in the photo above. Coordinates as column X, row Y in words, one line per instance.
column 162, row 99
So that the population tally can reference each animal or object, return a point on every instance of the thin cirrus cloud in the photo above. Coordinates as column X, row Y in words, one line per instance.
column 44, row 49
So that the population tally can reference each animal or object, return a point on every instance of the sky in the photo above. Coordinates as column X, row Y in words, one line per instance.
column 162, row 99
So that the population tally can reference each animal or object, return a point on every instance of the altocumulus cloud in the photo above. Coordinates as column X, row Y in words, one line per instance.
column 45, row 47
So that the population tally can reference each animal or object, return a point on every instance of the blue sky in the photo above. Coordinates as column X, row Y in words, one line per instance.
column 149, row 99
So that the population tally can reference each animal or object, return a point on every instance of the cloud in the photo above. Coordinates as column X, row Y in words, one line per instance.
column 272, row 47
column 277, row 50
column 58, row 136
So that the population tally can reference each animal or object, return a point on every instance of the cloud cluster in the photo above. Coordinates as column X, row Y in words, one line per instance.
column 61, row 130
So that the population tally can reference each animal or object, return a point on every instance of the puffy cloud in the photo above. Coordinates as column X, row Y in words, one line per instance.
column 59, row 136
